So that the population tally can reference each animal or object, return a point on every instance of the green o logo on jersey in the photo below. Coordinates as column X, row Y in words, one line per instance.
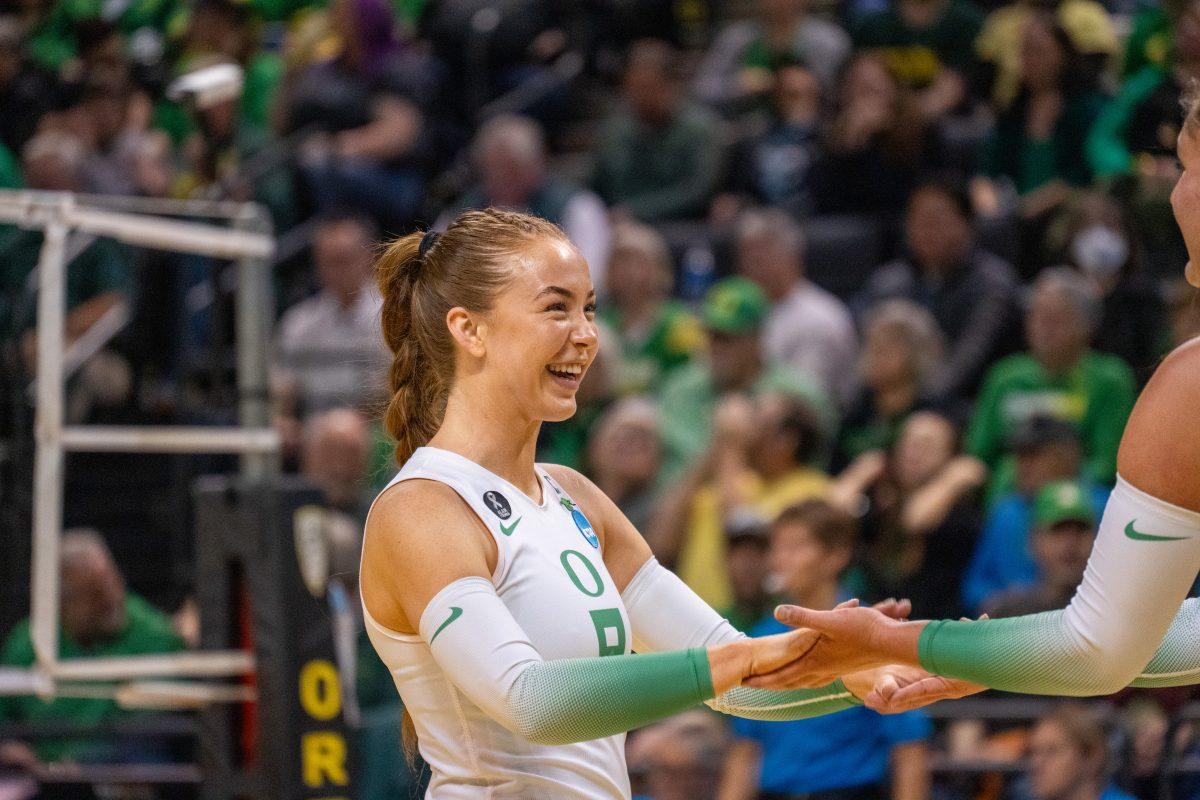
column 598, row 583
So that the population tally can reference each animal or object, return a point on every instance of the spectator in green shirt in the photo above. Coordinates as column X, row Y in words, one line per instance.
column 740, row 68
column 53, row 38
column 99, row 619
column 97, row 279
column 228, row 156
column 927, row 45
column 226, row 30
column 659, row 158
column 1151, row 30
column 1039, row 140
column 1060, row 377
column 734, row 313
column 1136, row 132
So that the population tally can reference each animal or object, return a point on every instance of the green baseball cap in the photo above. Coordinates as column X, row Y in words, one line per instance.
column 735, row 305
column 1063, row 501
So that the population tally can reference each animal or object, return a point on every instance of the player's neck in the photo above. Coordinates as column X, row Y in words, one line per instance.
column 486, row 435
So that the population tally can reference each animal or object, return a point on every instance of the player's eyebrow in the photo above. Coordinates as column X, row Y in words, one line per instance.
column 565, row 293
column 558, row 290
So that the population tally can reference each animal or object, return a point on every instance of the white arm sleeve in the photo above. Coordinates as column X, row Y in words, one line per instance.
column 666, row 615
column 483, row 651
column 1145, row 558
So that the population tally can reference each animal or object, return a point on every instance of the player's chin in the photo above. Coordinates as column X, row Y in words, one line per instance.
column 557, row 402
column 1192, row 273
column 558, row 409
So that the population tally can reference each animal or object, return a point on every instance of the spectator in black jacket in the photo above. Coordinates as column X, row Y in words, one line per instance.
column 971, row 293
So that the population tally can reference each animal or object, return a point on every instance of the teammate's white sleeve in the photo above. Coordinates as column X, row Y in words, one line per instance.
column 1144, row 561
column 483, row 651
column 666, row 614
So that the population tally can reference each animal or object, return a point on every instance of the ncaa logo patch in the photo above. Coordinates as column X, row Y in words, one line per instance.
column 498, row 504
column 585, row 527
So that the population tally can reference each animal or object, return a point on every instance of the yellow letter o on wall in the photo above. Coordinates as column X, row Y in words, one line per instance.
column 320, row 691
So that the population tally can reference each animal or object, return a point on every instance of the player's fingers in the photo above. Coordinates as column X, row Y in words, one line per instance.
column 896, row 609
column 851, row 603
column 798, row 616
column 887, row 686
column 917, row 694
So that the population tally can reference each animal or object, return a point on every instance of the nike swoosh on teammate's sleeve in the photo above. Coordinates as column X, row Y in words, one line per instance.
column 455, row 613
column 1137, row 536
column 508, row 530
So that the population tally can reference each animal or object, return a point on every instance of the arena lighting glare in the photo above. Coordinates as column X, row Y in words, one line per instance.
column 142, row 224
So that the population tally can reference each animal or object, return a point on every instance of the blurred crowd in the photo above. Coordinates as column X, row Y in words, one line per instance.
column 879, row 283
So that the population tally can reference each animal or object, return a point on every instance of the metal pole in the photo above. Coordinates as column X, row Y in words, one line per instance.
column 208, row 664
column 254, row 314
column 168, row 439
column 48, row 458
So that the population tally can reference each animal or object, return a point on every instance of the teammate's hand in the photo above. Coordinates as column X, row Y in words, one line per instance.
column 852, row 639
column 895, row 689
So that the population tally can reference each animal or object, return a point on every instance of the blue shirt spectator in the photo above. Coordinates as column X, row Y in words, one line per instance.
column 848, row 749
column 1002, row 560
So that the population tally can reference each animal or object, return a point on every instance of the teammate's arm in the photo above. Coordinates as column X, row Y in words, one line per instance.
column 426, row 558
column 1144, row 561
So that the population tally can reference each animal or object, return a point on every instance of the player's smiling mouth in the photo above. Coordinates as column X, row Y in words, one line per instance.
column 567, row 373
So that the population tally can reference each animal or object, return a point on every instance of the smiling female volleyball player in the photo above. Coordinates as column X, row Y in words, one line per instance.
column 505, row 596
column 1144, row 561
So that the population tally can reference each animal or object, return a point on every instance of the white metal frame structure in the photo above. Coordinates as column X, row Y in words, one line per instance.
column 154, row 224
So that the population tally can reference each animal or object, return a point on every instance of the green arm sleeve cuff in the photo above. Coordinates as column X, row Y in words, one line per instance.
column 1033, row 654
column 576, row 699
column 1177, row 662
column 772, row 706
column 1024, row 654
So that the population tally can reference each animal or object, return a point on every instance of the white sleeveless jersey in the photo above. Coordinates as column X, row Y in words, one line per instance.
column 551, row 576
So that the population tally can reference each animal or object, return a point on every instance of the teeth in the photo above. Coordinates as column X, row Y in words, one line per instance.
column 570, row 369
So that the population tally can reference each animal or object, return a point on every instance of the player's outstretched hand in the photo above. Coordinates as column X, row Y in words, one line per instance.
column 852, row 639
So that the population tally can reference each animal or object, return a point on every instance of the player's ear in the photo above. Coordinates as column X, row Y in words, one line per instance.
column 467, row 329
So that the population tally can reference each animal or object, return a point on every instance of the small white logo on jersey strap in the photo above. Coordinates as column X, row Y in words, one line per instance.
column 498, row 504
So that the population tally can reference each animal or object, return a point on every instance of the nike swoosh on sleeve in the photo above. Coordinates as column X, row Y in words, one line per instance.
column 1138, row 536
column 455, row 613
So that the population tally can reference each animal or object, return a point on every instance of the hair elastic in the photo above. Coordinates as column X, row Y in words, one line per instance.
column 427, row 242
